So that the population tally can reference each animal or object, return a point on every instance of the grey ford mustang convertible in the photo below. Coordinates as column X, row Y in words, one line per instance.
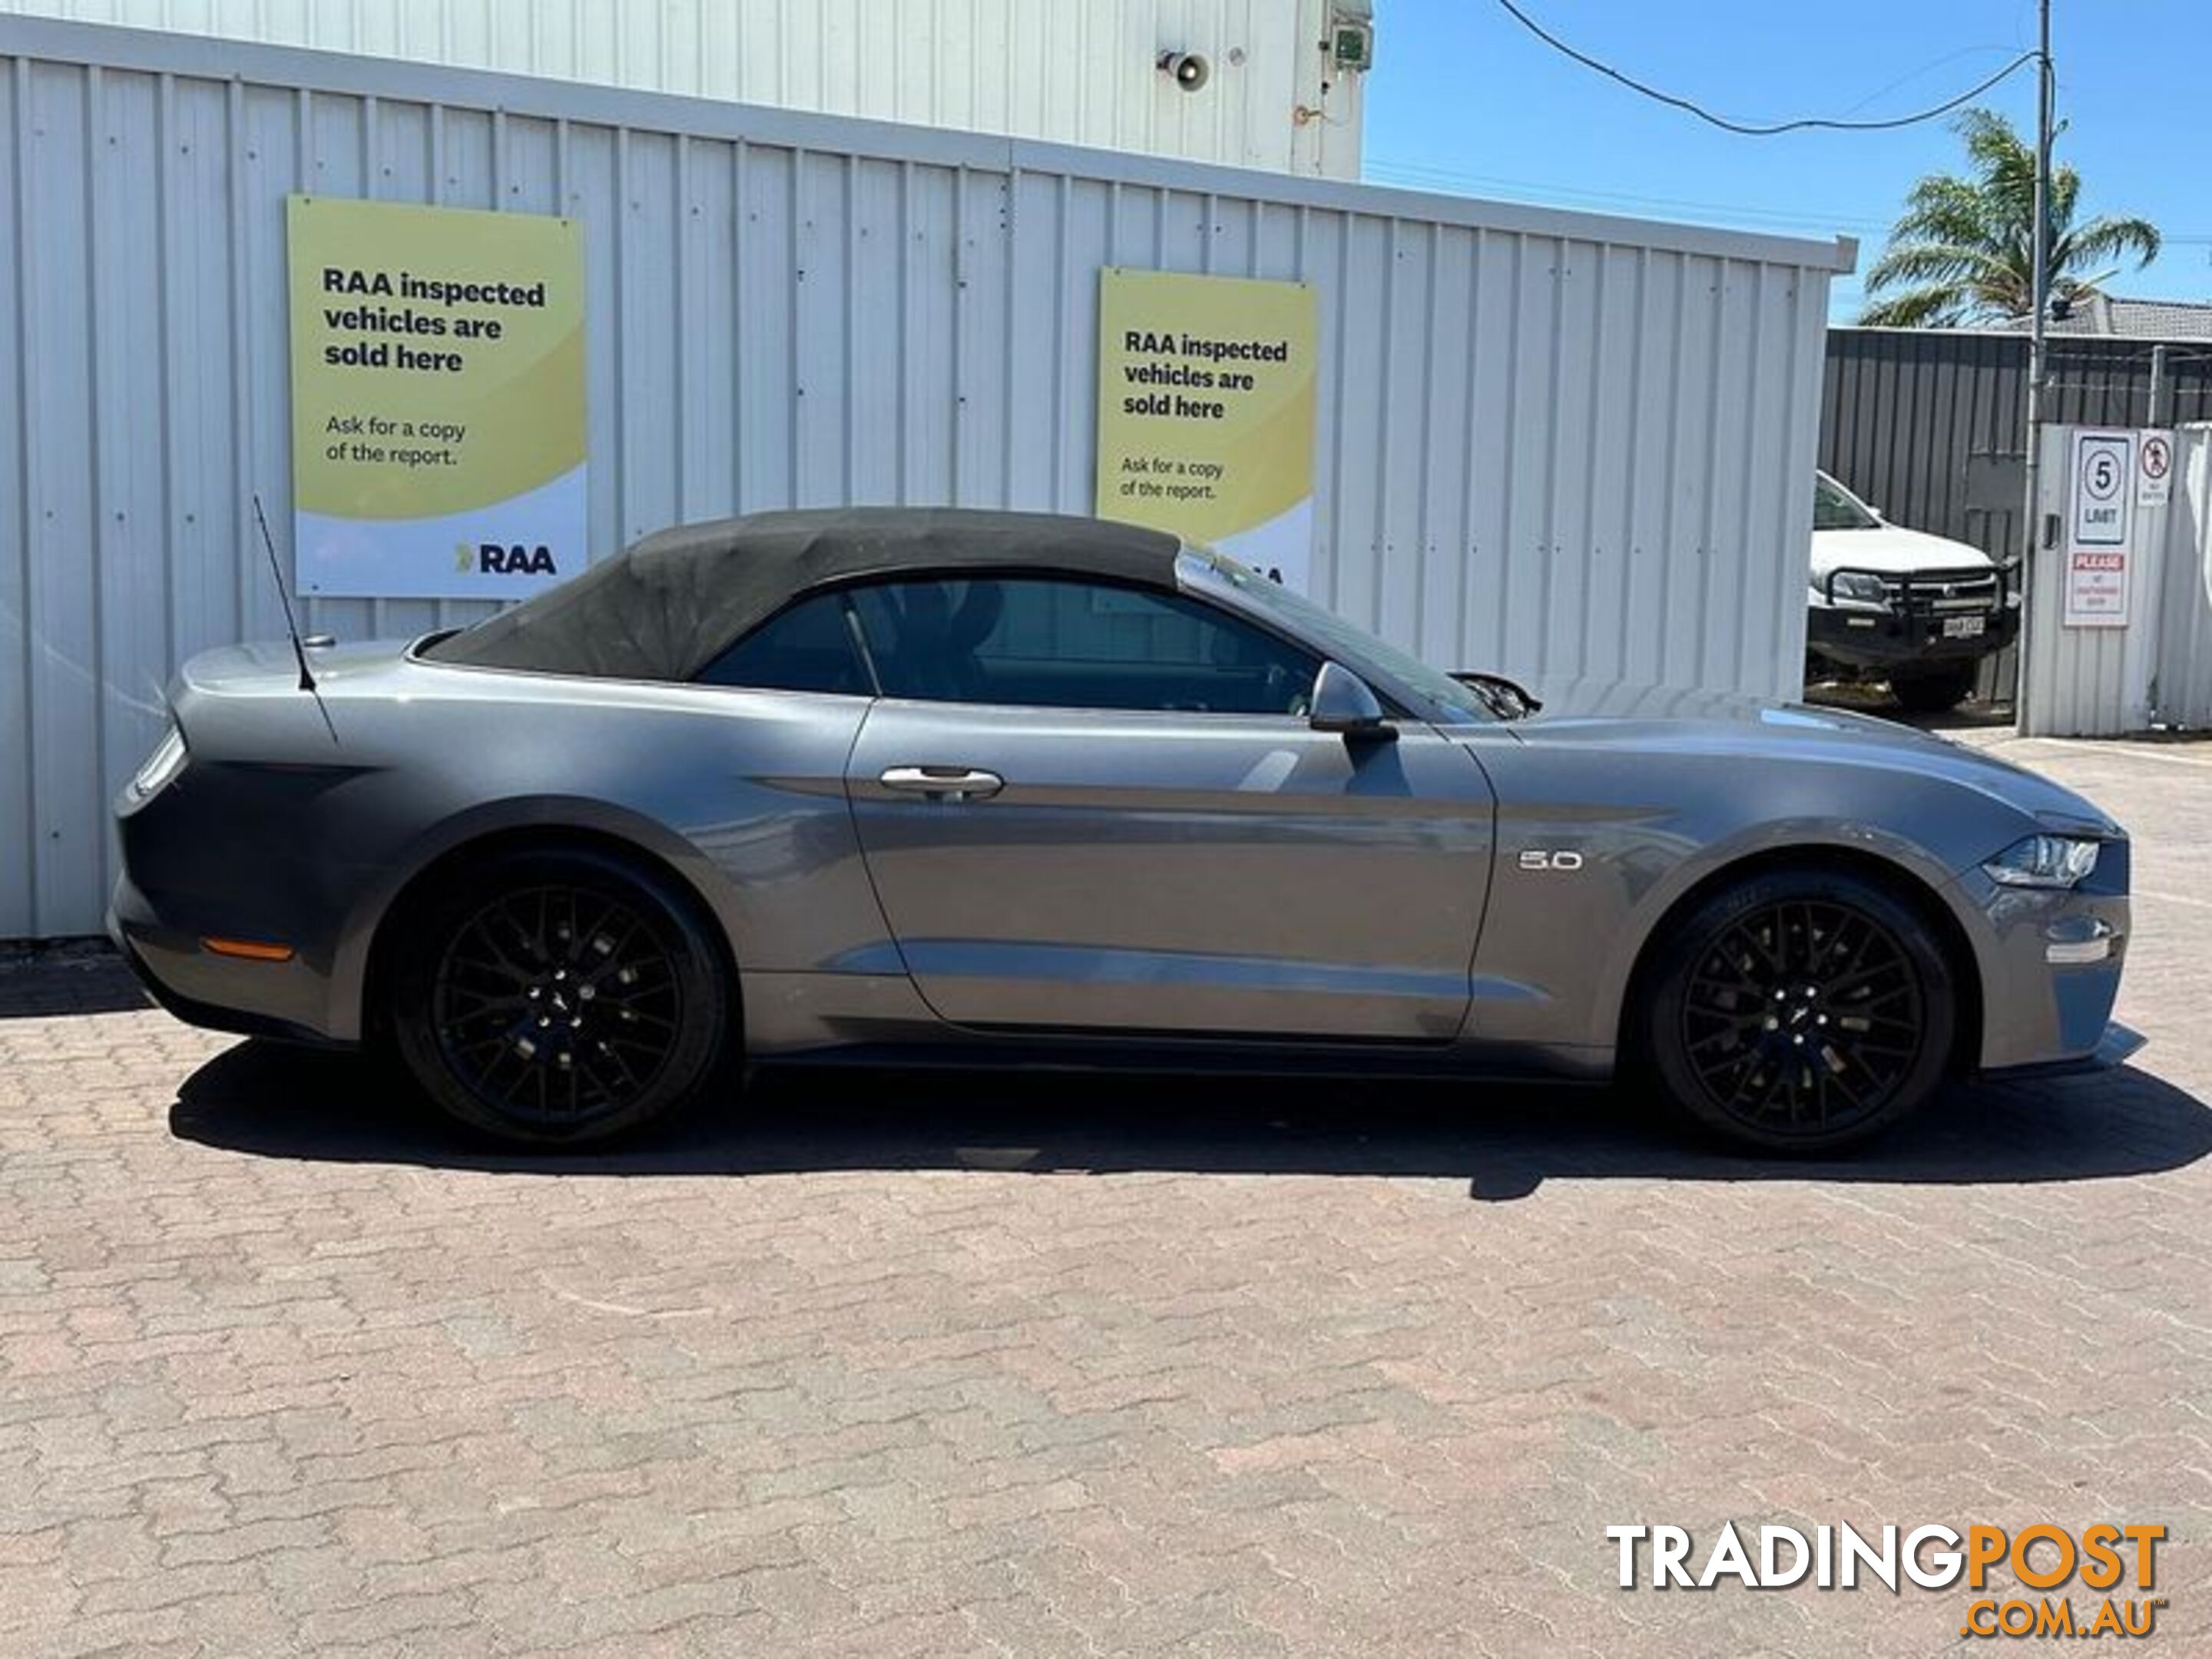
column 897, row 785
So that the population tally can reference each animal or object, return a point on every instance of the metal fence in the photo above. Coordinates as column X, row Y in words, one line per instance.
column 1551, row 443
column 1930, row 425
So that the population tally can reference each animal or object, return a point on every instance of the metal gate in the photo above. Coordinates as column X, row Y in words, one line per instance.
column 2181, row 678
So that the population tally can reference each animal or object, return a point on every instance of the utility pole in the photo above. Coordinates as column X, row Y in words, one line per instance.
column 2040, row 290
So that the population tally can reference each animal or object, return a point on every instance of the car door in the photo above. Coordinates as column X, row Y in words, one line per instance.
column 1089, row 807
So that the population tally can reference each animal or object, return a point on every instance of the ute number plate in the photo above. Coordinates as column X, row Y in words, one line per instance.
column 1964, row 627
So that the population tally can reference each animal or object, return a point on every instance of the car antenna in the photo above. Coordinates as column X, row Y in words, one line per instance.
column 291, row 623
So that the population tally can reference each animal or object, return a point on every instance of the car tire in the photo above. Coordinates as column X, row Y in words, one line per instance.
column 557, row 997
column 1799, row 1010
column 1931, row 692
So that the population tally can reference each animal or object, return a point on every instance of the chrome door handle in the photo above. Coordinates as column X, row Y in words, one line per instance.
column 943, row 783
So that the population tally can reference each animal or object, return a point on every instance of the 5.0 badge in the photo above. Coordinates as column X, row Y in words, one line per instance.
column 1536, row 858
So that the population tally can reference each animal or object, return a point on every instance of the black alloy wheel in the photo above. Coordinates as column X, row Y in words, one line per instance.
column 560, row 997
column 1802, row 1010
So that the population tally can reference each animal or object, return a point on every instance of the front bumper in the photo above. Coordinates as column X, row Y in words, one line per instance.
column 2119, row 1044
column 2051, row 961
column 1874, row 639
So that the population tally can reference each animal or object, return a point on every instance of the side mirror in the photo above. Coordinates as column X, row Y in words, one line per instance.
column 1510, row 699
column 1342, row 701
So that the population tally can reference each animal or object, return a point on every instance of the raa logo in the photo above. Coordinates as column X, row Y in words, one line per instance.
column 497, row 559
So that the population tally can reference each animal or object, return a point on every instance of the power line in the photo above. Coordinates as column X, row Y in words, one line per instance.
column 1749, row 129
column 1422, row 175
column 1948, row 58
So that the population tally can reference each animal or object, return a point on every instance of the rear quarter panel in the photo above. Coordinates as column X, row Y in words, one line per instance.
column 741, row 793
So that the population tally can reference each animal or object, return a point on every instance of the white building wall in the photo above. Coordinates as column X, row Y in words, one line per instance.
column 1071, row 71
column 1548, row 443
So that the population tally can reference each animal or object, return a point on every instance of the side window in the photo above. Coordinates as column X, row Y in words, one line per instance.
column 1053, row 644
column 809, row 647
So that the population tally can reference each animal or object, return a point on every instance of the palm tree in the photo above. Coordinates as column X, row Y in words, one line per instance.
column 1963, row 252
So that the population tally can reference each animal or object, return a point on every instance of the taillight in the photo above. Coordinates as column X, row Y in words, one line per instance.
column 162, row 766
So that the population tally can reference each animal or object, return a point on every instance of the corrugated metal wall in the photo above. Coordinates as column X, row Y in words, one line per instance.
column 1931, row 424
column 1551, row 443
column 1071, row 71
column 2181, row 681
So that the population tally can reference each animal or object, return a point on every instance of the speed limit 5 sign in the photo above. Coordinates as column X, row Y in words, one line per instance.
column 2103, row 476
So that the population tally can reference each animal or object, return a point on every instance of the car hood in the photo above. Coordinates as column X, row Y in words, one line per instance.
column 1662, row 721
column 1892, row 550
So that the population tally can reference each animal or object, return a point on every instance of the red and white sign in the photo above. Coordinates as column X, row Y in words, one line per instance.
column 2097, row 588
column 2154, row 468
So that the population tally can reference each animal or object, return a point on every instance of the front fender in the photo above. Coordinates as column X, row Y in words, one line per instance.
column 1870, row 846
column 1647, row 827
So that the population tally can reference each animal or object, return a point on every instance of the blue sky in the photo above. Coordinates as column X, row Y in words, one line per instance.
column 1462, row 100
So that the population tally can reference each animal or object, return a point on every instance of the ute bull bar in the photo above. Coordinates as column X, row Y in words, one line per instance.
column 1931, row 592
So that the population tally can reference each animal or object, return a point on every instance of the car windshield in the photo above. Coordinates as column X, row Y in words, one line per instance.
column 1835, row 507
column 1337, row 638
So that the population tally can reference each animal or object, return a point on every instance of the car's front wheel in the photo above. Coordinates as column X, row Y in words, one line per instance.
column 558, row 998
column 1800, row 1011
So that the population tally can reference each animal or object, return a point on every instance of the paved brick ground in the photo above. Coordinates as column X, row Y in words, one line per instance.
column 1033, row 1369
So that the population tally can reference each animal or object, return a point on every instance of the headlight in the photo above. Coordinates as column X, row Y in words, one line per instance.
column 1859, row 588
column 2043, row 861
column 161, row 766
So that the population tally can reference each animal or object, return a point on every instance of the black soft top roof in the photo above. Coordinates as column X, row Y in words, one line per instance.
column 669, row 604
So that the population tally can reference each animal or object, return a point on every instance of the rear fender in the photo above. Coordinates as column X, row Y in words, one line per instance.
column 551, row 814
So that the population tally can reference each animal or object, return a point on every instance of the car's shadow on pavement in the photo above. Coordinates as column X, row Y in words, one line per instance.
column 1503, row 1142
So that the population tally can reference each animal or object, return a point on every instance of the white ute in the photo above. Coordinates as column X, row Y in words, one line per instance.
column 1891, row 604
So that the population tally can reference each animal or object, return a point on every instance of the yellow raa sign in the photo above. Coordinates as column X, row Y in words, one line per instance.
column 438, row 418
column 1205, row 412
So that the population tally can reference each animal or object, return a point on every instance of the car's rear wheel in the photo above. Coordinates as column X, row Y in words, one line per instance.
column 558, row 998
column 1932, row 690
column 1801, row 1011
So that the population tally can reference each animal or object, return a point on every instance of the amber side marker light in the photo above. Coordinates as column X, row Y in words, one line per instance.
column 251, row 950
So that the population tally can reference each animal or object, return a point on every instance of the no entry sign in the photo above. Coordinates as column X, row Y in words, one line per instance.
column 2154, row 468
